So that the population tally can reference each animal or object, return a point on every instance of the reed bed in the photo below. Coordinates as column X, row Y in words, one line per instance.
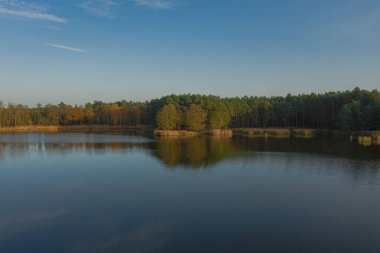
column 220, row 132
column 174, row 133
column 279, row 133
column 79, row 128
column 376, row 139
column 365, row 140
column 251, row 132
column 101, row 128
column 368, row 138
column 304, row 133
column 26, row 129
column 264, row 132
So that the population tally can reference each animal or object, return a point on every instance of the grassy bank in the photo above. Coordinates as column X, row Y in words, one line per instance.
column 365, row 138
column 80, row 128
column 185, row 133
column 263, row 132
column 220, row 132
column 31, row 129
column 304, row 133
column 174, row 133
column 368, row 138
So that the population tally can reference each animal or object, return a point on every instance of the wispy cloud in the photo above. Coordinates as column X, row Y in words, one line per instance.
column 73, row 49
column 155, row 4
column 104, row 8
column 18, row 8
column 100, row 8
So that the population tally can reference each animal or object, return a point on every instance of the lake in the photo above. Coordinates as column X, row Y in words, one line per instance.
column 127, row 193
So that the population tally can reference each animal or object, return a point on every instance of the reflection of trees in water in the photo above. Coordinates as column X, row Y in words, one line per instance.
column 204, row 152
column 201, row 152
column 23, row 148
column 13, row 150
column 360, row 164
column 334, row 157
column 194, row 152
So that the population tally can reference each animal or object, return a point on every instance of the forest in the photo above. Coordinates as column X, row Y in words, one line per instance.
column 353, row 110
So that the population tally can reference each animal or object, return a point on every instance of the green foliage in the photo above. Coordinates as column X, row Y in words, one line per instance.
column 167, row 118
column 218, row 119
column 346, row 120
column 195, row 118
column 351, row 110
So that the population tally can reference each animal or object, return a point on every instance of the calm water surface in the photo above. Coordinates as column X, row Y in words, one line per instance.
column 118, row 193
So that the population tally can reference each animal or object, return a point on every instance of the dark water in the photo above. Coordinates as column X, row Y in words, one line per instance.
column 112, row 193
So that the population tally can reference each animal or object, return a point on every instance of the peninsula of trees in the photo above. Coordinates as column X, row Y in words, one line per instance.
column 349, row 110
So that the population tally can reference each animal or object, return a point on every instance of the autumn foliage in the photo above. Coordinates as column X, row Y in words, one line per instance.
column 354, row 110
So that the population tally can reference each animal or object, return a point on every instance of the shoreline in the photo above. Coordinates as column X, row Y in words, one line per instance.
column 79, row 128
column 365, row 138
column 185, row 133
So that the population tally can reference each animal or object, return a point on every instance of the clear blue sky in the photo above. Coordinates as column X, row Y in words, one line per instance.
column 83, row 50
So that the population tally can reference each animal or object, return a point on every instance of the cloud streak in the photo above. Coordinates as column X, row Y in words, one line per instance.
column 59, row 46
column 155, row 4
column 104, row 8
column 27, row 10
column 99, row 8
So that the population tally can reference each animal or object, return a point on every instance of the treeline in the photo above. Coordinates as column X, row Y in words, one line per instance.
column 97, row 113
column 349, row 110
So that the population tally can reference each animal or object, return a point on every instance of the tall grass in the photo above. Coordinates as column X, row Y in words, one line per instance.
column 376, row 139
column 304, row 133
column 174, row 133
column 365, row 140
column 264, row 132
column 25, row 129
column 220, row 132
column 79, row 128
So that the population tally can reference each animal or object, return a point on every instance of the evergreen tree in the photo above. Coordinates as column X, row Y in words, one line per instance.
column 346, row 118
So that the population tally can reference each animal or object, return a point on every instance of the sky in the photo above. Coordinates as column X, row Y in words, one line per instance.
column 79, row 51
